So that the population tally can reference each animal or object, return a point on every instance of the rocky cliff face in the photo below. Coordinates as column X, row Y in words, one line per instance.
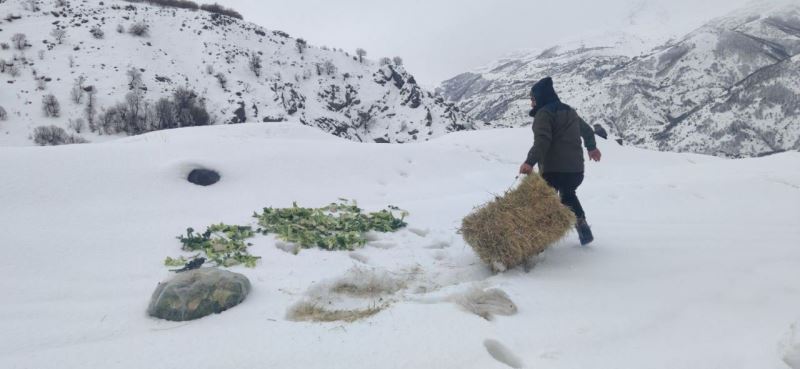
column 729, row 88
column 210, row 54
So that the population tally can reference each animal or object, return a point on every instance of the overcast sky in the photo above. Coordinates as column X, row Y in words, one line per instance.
column 441, row 38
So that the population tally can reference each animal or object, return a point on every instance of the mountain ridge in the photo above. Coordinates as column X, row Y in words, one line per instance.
column 210, row 54
column 679, row 96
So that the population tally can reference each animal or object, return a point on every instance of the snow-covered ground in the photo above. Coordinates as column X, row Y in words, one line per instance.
column 695, row 265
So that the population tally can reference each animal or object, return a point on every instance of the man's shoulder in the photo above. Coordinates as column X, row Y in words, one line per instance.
column 554, row 110
column 547, row 111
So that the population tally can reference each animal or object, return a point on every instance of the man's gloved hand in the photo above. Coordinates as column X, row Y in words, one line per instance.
column 595, row 155
column 525, row 169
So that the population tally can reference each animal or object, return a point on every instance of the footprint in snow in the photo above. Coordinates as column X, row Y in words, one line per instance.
column 785, row 183
column 289, row 247
column 486, row 303
column 502, row 354
column 382, row 245
column 419, row 231
column 359, row 257
column 438, row 245
column 550, row 355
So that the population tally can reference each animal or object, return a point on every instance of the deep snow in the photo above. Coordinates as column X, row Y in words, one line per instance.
column 695, row 263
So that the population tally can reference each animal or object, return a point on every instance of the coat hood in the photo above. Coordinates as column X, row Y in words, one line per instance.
column 544, row 94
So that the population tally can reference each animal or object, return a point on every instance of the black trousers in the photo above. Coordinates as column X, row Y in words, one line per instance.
column 566, row 184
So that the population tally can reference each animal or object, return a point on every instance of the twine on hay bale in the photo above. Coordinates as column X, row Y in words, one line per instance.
column 526, row 220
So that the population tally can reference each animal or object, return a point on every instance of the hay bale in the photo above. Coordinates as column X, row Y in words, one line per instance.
column 513, row 228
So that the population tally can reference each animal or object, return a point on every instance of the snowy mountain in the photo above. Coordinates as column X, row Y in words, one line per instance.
column 730, row 87
column 131, row 55
column 707, row 278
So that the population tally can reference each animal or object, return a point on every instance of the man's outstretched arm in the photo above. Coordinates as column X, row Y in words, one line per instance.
column 588, row 140
column 542, row 137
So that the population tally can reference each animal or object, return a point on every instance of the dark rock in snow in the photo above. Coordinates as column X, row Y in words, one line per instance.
column 269, row 119
column 203, row 177
column 239, row 115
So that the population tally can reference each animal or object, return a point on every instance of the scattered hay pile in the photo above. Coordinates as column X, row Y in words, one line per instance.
column 358, row 294
column 508, row 231
column 310, row 312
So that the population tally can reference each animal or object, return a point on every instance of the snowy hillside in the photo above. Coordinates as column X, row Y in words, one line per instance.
column 695, row 263
column 236, row 70
column 729, row 88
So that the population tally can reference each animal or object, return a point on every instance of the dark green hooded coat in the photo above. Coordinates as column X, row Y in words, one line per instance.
column 557, row 133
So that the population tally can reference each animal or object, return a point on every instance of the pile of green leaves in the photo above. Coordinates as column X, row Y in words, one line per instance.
column 221, row 243
column 338, row 226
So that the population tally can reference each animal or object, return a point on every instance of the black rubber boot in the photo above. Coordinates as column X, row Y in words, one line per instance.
column 584, row 232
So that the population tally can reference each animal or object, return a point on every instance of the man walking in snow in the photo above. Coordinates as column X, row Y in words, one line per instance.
column 557, row 133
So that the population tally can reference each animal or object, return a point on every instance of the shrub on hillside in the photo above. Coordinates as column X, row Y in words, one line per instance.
column 361, row 54
column 136, row 115
column 91, row 107
column 59, row 35
column 180, row 4
column 223, row 81
column 255, row 64
column 219, row 9
column 329, row 68
column 140, row 29
column 13, row 69
column 77, row 124
column 301, row 45
column 50, row 106
column 191, row 5
column 97, row 32
column 3, row 114
column 20, row 41
column 54, row 135
column 189, row 109
column 31, row 5
column 77, row 91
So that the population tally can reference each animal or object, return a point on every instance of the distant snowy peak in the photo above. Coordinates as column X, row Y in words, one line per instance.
column 615, row 43
column 647, row 12
column 239, row 72
column 730, row 87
